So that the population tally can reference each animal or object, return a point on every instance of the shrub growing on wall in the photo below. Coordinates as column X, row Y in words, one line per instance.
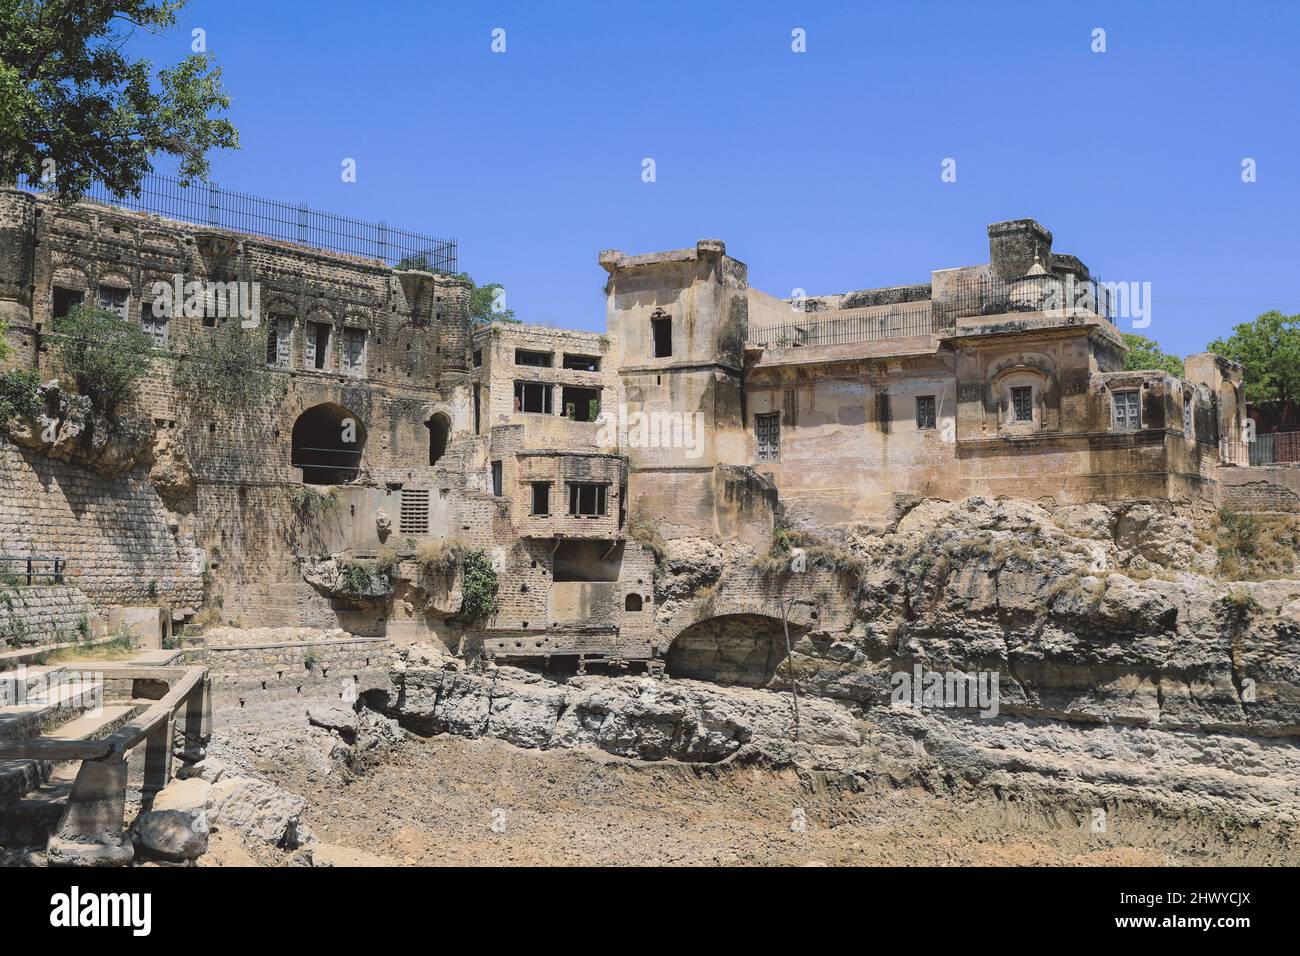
column 105, row 354
column 18, row 395
column 225, row 368
column 478, row 587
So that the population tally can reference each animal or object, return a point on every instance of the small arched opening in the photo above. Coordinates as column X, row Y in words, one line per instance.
column 744, row 649
column 439, row 431
column 327, row 444
column 633, row 603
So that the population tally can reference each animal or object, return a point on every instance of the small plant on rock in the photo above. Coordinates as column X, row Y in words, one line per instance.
column 479, row 586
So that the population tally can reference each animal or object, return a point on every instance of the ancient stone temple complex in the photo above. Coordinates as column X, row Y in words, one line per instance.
column 401, row 437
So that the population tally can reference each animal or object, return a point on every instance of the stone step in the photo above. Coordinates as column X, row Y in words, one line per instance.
column 27, row 684
column 44, row 783
column 51, row 707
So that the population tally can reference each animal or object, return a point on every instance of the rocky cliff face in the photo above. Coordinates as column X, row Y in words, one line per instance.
column 1121, row 668
column 1088, row 613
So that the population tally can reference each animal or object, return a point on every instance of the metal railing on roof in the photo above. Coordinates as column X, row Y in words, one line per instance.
column 206, row 204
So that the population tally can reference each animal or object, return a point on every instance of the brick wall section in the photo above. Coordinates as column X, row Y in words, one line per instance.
column 277, row 671
column 1274, row 488
column 114, row 532
column 41, row 615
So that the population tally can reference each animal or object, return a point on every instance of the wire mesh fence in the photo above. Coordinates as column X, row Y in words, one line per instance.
column 1244, row 447
column 206, row 204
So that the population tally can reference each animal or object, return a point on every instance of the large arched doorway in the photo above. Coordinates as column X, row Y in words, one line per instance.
column 439, row 430
column 743, row 649
column 327, row 444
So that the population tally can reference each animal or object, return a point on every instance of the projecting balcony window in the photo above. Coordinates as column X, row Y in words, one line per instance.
column 767, row 436
column 541, row 499
column 536, row 359
column 925, row 411
column 582, row 363
column 1022, row 403
column 533, row 397
column 586, row 500
column 1128, row 410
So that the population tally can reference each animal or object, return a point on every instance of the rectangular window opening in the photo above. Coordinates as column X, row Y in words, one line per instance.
column 414, row 517
column 536, row 359
column 318, row 345
column 542, row 498
column 1022, row 403
column 533, row 397
column 496, row 478
column 663, row 336
column 582, row 363
column 114, row 300
column 586, row 500
column 1128, row 410
column 65, row 300
column 767, row 434
column 925, row 411
column 580, row 404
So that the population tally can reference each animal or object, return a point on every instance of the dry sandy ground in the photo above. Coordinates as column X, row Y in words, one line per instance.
column 432, row 802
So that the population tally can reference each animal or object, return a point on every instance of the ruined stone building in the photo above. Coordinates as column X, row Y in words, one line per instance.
column 398, row 438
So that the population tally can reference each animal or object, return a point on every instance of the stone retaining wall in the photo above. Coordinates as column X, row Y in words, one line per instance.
column 42, row 615
column 271, row 671
column 1261, row 488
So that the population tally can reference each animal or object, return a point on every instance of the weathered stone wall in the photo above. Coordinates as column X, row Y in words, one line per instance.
column 44, row 615
column 1261, row 488
column 115, row 533
column 302, row 663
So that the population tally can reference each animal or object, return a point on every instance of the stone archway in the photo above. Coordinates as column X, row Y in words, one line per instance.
column 739, row 649
column 439, row 426
column 327, row 444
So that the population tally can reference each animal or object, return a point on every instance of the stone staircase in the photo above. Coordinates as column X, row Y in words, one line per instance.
column 48, row 703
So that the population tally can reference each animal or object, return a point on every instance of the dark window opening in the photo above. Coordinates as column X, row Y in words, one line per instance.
column 633, row 603
column 586, row 561
column 533, row 397
column 496, row 478
column 582, row 363
column 767, row 433
column 537, row 359
column 925, row 411
column 478, row 357
column 478, row 409
column 662, row 328
column 586, row 500
column 65, row 300
column 327, row 445
column 542, row 498
column 439, row 429
column 318, row 344
column 1022, row 403
column 580, row 404
column 1128, row 415
column 1187, row 415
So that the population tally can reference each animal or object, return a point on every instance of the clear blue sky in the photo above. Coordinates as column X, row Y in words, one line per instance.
column 820, row 170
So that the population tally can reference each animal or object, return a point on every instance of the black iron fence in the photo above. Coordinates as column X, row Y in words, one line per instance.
column 1244, row 447
column 962, row 298
column 31, row 569
column 206, row 204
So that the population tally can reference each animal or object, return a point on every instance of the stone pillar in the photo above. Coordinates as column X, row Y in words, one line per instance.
column 157, row 760
column 91, row 831
column 197, row 722
column 17, row 239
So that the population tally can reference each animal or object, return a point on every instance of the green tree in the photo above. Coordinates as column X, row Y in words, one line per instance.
column 1145, row 353
column 104, row 353
column 482, row 302
column 69, row 93
column 1269, row 348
